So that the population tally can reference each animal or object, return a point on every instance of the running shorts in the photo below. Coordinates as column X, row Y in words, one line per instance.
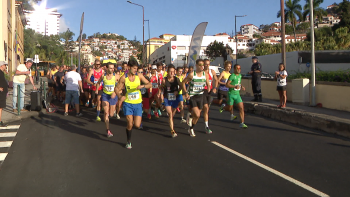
column 109, row 99
column 234, row 99
column 222, row 94
column 132, row 109
column 197, row 101
column 173, row 104
column 94, row 95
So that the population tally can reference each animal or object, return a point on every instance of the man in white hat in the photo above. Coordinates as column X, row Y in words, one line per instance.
column 22, row 71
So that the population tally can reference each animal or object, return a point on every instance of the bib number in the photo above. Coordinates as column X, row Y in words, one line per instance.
column 143, row 91
column 154, row 85
column 238, row 88
column 109, row 88
column 171, row 97
column 198, row 86
column 133, row 96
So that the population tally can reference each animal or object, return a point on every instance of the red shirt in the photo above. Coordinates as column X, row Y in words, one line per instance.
column 210, row 81
column 154, row 81
column 97, row 76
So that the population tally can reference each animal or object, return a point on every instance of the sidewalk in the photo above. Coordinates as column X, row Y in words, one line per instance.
column 9, row 116
column 328, row 120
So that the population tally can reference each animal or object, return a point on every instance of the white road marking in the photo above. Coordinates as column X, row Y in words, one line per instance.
column 10, row 127
column 3, row 156
column 5, row 144
column 319, row 193
column 9, row 134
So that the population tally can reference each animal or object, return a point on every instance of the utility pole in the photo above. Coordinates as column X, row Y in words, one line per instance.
column 283, row 41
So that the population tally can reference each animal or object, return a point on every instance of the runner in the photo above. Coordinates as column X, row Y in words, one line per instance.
column 234, row 83
column 145, row 95
column 154, row 90
column 212, row 75
column 181, row 100
column 109, row 97
column 132, row 106
column 86, row 87
column 51, row 81
column 94, row 76
column 197, row 81
column 170, row 87
column 59, row 87
column 223, row 90
column 122, row 92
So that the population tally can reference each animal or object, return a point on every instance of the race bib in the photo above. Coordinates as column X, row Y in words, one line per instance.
column 171, row 97
column 238, row 88
column 198, row 86
column 143, row 90
column 95, row 80
column 109, row 88
column 133, row 96
column 154, row 85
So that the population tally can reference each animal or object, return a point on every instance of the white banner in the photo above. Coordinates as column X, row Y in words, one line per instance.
column 196, row 43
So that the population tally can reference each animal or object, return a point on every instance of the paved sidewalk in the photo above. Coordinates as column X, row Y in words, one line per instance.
column 328, row 120
column 9, row 116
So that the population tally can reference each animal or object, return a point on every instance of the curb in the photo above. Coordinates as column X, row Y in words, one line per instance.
column 321, row 122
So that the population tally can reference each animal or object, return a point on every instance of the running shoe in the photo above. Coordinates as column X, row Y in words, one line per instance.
column 79, row 114
column 152, row 112
column 141, row 127
column 183, row 120
column 233, row 117
column 128, row 145
column 222, row 108
column 118, row 117
column 173, row 134
column 93, row 106
column 156, row 115
column 208, row 130
column 98, row 119
column 2, row 124
column 87, row 104
column 191, row 132
column 178, row 110
column 190, row 122
column 109, row 133
column 244, row 126
column 65, row 113
column 149, row 116
column 159, row 112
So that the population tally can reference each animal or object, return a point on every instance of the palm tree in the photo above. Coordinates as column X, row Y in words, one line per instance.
column 318, row 11
column 291, row 12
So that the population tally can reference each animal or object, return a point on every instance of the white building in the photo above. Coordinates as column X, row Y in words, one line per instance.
column 249, row 30
column 176, row 51
column 45, row 22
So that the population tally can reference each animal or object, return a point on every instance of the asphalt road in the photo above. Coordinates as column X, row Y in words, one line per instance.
column 53, row 155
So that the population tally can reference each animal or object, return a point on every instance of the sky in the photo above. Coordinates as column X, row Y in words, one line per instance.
column 165, row 17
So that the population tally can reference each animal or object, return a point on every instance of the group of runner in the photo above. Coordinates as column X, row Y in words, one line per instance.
column 150, row 90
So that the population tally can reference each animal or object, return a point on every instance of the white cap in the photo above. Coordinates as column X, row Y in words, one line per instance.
column 3, row 63
column 154, row 66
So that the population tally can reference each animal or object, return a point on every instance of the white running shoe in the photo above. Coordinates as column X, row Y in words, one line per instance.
column 191, row 132
column 183, row 120
column 233, row 117
column 118, row 117
column 188, row 117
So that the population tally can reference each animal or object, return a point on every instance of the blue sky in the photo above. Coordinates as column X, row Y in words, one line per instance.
column 172, row 17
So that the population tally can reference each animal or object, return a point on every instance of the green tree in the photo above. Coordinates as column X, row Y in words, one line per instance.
column 289, row 29
column 303, row 27
column 318, row 11
column 97, row 53
column 132, row 58
column 218, row 49
column 84, row 36
column 27, row 4
column 140, row 52
column 344, row 11
column 67, row 37
column 291, row 13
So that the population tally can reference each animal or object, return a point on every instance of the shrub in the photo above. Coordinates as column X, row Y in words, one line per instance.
column 331, row 76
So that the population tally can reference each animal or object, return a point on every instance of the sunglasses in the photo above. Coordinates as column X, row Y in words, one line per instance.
column 200, row 64
column 98, row 64
column 140, row 72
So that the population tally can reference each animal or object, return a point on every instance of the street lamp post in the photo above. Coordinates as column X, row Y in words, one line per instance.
column 149, row 43
column 143, row 29
column 236, row 35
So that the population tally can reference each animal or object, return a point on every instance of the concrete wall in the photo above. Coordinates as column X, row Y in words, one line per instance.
column 270, row 64
column 331, row 95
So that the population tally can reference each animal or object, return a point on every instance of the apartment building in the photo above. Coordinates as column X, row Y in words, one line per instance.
column 44, row 21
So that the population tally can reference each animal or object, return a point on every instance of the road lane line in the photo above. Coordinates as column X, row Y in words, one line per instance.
column 5, row 144
column 3, row 156
column 319, row 193
column 10, row 127
column 8, row 134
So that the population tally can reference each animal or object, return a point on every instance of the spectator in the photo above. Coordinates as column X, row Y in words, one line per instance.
column 73, row 83
column 59, row 86
column 256, row 79
column 3, row 90
column 23, row 70
column 281, row 76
